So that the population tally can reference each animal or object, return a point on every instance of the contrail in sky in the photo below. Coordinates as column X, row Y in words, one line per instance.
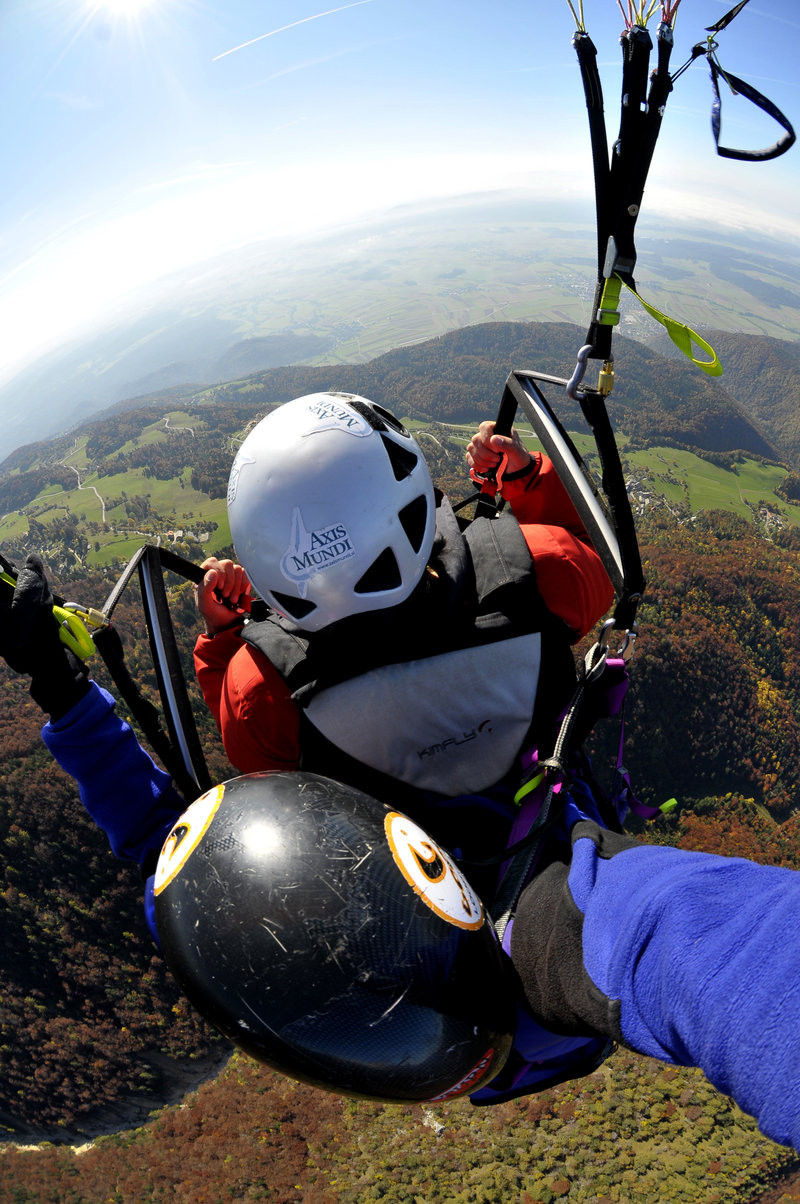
column 303, row 21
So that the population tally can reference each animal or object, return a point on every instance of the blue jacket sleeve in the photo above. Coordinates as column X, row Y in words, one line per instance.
column 702, row 952
column 121, row 787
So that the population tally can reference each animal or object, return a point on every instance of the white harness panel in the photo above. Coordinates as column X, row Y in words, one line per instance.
column 463, row 715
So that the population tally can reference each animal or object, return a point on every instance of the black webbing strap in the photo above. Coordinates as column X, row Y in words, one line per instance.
column 640, row 125
column 755, row 97
column 619, row 186
column 146, row 715
column 725, row 21
column 593, row 92
column 605, row 513
column 179, row 746
column 593, row 404
column 740, row 87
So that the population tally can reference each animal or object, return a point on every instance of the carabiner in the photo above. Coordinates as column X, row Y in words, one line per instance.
column 89, row 616
column 579, row 372
column 626, row 649
column 72, row 620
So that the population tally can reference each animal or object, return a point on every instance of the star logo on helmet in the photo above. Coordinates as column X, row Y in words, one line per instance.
column 312, row 552
column 242, row 458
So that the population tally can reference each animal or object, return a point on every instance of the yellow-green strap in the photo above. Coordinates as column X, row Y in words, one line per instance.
column 682, row 336
column 527, row 787
column 608, row 313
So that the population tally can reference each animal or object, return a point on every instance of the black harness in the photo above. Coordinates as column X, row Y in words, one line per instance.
column 481, row 594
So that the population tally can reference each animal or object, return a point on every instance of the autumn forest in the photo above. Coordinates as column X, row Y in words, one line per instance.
column 113, row 1090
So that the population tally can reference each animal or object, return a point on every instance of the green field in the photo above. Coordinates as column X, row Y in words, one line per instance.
column 415, row 280
column 99, row 507
column 173, row 512
column 683, row 479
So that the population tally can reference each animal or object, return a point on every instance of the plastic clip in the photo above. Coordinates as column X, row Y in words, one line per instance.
column 72, row 632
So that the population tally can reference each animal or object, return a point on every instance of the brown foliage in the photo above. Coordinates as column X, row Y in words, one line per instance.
column 89, row 1014
column 714, row 705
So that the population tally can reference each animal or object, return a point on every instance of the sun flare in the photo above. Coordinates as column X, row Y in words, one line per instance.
column 120, row 8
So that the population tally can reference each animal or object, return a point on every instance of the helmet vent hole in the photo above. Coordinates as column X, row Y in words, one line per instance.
column 394, row 423
column 381, row 576
column 295, row 608
column 414, row 520
column 378, row 418
column 403, row 459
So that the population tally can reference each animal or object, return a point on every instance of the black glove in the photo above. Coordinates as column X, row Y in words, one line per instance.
column 30, row 643
column 547, row 949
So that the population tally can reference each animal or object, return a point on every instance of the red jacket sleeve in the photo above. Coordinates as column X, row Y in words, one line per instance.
column 569, row 573
column 251, row 704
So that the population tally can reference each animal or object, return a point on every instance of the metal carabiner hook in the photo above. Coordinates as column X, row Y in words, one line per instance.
column 579, row 372
column 626, row 648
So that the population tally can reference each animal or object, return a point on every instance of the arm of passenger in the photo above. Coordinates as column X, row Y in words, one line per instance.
column 212, row 655
column 125, row 793
column 570, row 576
column 258, row 719
column 538, row 496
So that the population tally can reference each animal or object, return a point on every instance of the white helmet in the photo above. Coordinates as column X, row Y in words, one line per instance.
column 331, row 508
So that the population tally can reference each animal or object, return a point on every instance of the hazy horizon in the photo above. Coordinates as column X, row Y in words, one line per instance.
column 150, row 136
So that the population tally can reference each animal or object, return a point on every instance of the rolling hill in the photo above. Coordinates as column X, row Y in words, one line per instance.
column 157, row 467
column 93, row 1036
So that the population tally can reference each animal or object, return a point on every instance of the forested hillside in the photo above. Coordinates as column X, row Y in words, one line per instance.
column 459, row 377
column 93, row 1032
column 633, row 1130
column 716, row 696
column 764, row 376
column 90, row 1020
column 157, row 467
column 93, row 1035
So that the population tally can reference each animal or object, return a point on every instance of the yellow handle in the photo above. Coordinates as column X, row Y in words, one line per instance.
column 73, row 633
column 71, row 628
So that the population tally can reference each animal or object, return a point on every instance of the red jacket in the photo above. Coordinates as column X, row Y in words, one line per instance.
column 251, row 702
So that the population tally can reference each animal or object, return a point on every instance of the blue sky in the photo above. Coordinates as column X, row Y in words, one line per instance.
column 141, row 136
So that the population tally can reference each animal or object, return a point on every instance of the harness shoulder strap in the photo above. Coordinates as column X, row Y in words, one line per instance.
column 286, row 650
column 506, row 590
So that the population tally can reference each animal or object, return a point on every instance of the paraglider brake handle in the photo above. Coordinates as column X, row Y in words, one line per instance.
column 502, row 426
column 73, row 620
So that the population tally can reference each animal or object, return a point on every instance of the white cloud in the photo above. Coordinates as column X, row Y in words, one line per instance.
column 73, row 100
